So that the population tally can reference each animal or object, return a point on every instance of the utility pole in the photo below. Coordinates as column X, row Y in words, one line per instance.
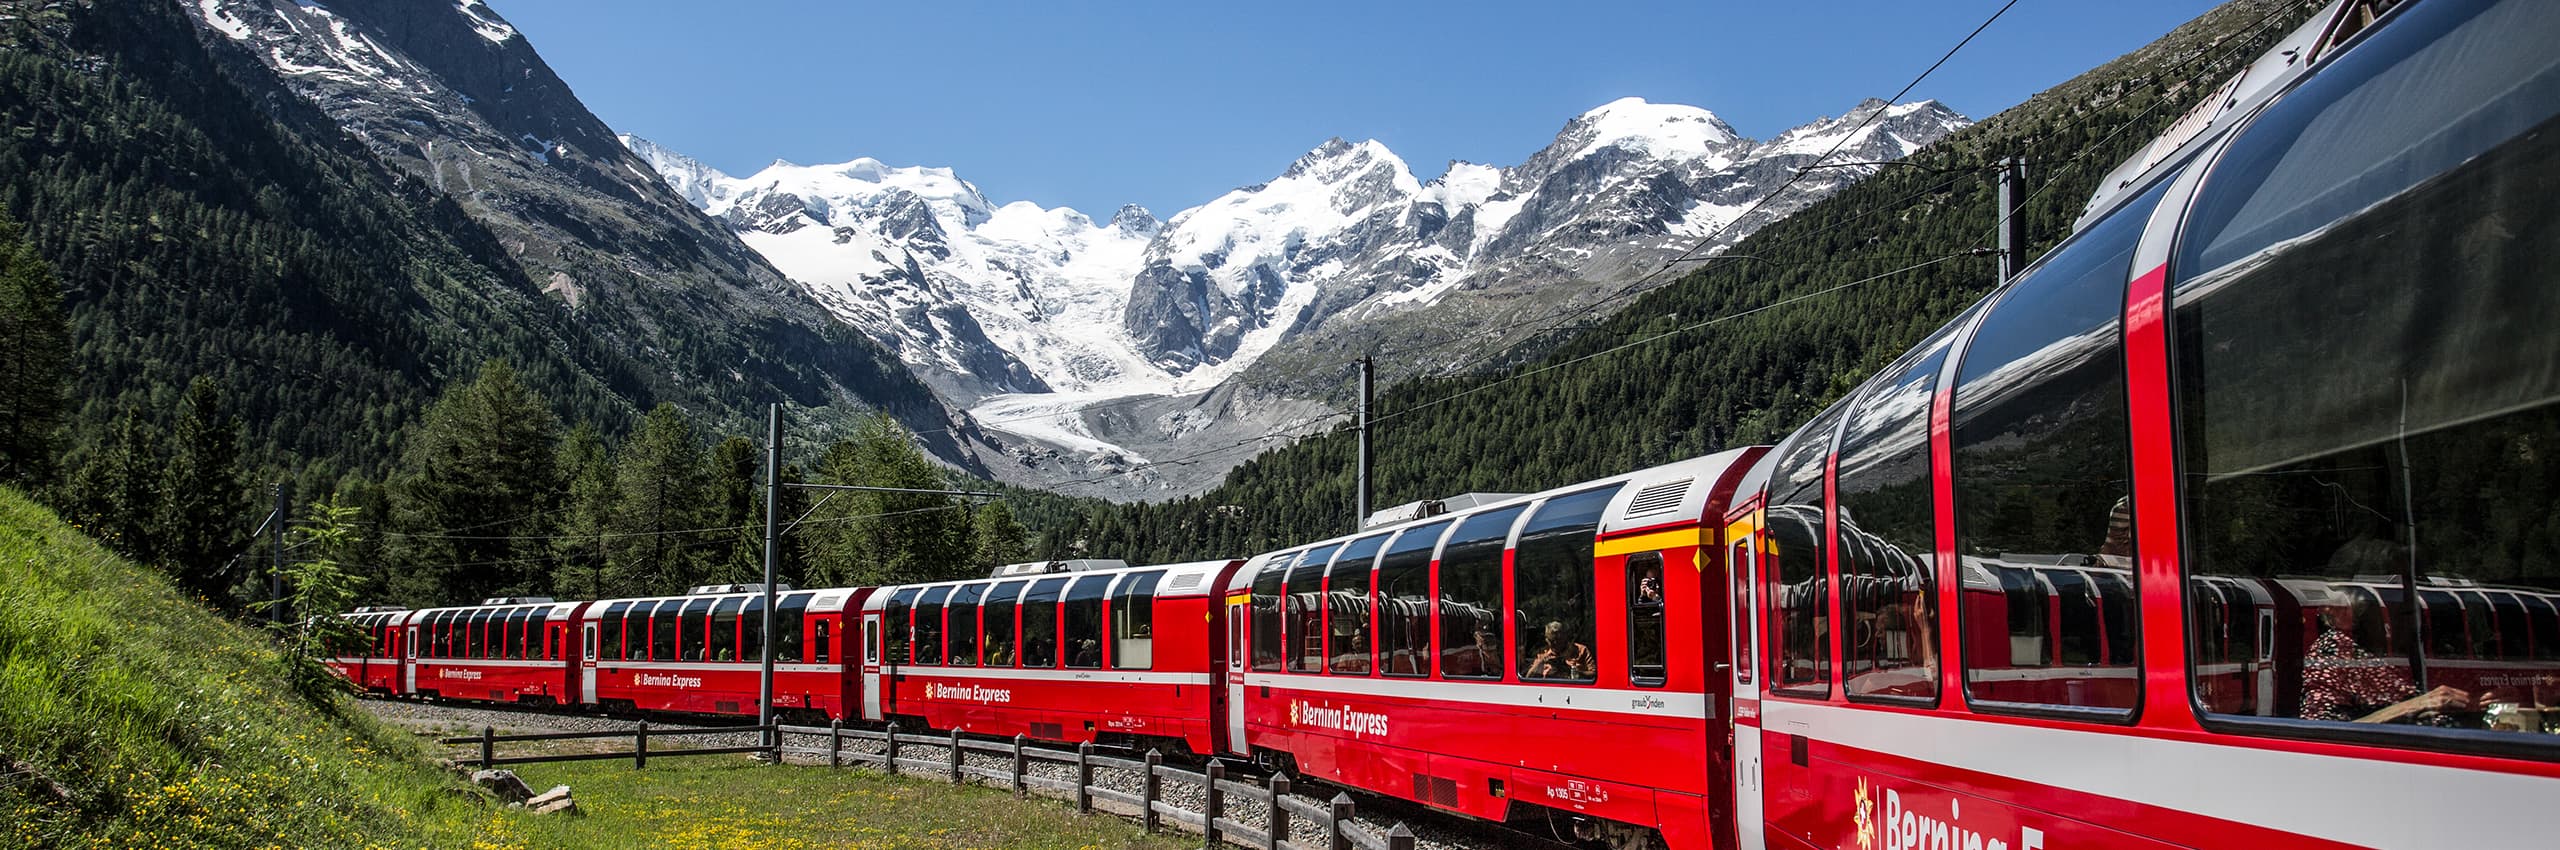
column 2013, row 220
column 275, row 542
column 1360, row 503
column 772, row 556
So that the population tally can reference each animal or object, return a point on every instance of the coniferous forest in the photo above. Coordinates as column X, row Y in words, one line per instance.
column 209, row 291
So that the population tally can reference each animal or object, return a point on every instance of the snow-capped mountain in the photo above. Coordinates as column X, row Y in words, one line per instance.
column 1237, row 310
column 991, row 299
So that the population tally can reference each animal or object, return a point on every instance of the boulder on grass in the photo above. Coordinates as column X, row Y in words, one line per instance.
column 504, row 783
column 554, row 801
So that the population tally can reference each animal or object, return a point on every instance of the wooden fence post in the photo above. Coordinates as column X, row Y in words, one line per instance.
column 892, row 761
column 835, row 743
column 1334, row 836
column 1399, row 838
column 1084, row 778
column 773, row 746
column 488, row 747
column 955, row 756
column 1020, row 788
column 1279, row 830
column 1216, row 805
column 640, row 748
column 1154, row 788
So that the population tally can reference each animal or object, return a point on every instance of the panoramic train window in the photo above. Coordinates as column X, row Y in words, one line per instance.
column 1080, row 621
column 492, row 634
column 635, row 630
column 999, row 623
column 928, row 619
column 662, row 630
column 1472, row 627
column 1133, row 621
column 787, row 625
column 609, row 627
column 1887, row 526
column 1799, row 595
column 2044, row 481
column 963, row 616
column 1646, row 637
column 1557, row 607
column 724, row 629
column 751, row 628
column 528, row 631
column 901, row 625
column 1404, row 601
column 510, row 634
column 1267, row 639
column 1347, row 599
column 697, row 627
column 1040, row 623
column 1302, row 610
column 2367, row 402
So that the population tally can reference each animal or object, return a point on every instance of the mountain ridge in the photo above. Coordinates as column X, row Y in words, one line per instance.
column 997, row 305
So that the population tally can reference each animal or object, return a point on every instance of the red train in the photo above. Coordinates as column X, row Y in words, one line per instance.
column 2230, row 522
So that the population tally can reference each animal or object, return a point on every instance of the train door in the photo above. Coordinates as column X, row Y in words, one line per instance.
column 1236, row 643
column 587, row 666
column 409, row 661
column 872, row 707
column 1742, row 569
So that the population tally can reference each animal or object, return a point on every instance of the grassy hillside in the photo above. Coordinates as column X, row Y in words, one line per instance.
column 131, row 717
column 169, row 726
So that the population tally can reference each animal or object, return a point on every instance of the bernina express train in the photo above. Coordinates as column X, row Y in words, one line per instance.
column 2233, row 521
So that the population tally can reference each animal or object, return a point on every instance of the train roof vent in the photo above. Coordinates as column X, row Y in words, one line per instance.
column 1187, row 581
column 1659, row 498
column 380, row 609
column 716, row 589
column 1078, row 565
column 516, row 600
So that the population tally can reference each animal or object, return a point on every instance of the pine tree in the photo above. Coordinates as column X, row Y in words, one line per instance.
column 995, row 538
column 737, row 504
column 476, row 489
column 586, row 516
column 116, row 494
column 660, row 493
column 887, row 538
column 209, row 513
column 35, row 362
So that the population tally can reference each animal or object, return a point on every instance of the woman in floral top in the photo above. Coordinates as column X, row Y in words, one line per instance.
column 2342, row 682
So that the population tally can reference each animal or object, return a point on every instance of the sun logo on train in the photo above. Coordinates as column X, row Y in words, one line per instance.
column 1296, row 709
column 1866, row 816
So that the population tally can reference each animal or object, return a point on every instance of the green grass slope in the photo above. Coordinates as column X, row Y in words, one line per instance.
column 171, row 727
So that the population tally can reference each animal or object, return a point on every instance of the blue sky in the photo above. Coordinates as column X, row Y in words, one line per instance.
column 1169, row 104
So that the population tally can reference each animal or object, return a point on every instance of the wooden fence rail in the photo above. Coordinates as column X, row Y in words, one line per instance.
column 1147, row 806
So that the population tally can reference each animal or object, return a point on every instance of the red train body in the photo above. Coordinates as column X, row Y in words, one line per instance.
column 1101, row 655
column 2224, row 524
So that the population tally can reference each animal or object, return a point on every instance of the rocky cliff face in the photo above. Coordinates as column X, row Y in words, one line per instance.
column 449, row 92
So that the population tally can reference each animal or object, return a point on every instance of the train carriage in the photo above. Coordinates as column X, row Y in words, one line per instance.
column 702, row 652
column 1108, row 653
column 508, row 650
column 1550, row 655
column 2209, row 529
column 370, row 658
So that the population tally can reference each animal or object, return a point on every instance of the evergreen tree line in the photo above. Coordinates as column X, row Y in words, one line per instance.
column 492, row 496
